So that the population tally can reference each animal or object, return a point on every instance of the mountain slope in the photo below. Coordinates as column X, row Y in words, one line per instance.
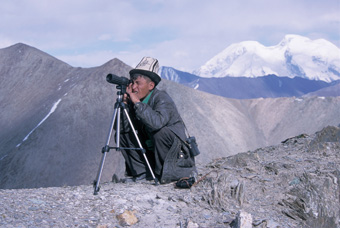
column 45, row 147
column 330, row 91
column 294, row 56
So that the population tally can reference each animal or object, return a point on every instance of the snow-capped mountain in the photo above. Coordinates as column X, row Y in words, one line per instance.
column 294, row 56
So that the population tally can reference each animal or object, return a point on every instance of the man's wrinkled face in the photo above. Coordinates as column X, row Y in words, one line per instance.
column 142, row 86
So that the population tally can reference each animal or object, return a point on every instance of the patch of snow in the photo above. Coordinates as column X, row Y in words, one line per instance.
column 3, row 157
column 54, row 107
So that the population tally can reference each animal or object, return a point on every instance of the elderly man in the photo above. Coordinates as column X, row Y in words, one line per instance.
column 160, row 129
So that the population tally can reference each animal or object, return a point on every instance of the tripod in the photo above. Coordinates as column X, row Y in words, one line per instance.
column 116, row 119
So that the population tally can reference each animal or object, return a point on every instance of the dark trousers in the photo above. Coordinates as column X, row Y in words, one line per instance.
column 134, row 159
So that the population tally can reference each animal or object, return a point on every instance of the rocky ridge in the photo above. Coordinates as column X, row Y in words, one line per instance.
column 293, row 184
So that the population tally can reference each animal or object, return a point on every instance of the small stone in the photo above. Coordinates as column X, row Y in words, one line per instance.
column 272, row 224
column 171, row 209
column 127, row 218
column 244, row 220
column 102, row 226
column 192, row 224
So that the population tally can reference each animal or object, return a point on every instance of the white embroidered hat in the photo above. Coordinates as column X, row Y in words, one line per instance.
column 148, row 66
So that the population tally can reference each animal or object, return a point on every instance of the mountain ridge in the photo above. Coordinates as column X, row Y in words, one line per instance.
column 249, row 88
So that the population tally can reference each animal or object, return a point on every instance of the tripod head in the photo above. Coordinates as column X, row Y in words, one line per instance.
column 121, row 89
column 121, row 82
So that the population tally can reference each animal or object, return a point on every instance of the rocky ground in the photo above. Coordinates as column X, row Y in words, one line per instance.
column 293, row 184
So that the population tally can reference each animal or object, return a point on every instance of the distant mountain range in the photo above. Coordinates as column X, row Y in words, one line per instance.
column 294, row 56
column 269, row 86
column 297, row 66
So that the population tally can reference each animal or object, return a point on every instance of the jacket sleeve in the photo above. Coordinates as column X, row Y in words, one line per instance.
column 157, row 116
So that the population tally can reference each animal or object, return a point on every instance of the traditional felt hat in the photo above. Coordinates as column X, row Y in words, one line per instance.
column 148, row 66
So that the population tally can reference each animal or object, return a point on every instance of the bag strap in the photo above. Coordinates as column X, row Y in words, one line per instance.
column 185, row 128
column 179, row 137
column 183, row 141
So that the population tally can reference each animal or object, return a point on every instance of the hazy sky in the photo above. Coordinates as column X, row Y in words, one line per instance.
column 183, row 34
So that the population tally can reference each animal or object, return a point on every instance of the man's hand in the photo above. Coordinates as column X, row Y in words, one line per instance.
column 126, row 98
column 132, row 96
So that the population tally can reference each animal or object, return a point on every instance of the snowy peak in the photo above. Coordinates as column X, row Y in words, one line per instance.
column 169, row 73
column 294, row 56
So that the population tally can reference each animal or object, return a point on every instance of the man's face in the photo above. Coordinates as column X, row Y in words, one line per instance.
column 141, row 87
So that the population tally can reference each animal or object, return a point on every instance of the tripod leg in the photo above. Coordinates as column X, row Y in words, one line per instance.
column 104, row 151
column 99, row 174
column 140, row 146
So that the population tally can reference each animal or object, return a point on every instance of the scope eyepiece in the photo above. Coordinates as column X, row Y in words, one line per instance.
column 114, row 79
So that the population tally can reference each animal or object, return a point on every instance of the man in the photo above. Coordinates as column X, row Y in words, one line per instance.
column 160, row 129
